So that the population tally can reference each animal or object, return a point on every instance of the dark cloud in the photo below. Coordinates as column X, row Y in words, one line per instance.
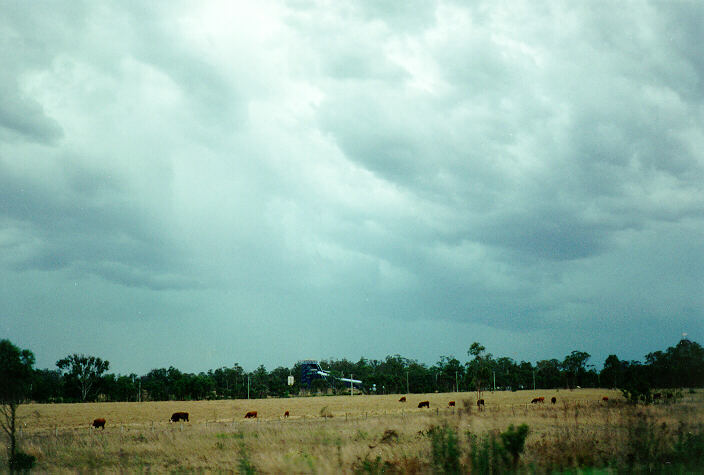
column 365, row 179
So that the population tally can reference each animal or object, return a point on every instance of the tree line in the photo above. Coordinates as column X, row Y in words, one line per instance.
column 87, row 378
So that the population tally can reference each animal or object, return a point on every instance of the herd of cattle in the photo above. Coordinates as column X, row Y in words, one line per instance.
column 183, row 416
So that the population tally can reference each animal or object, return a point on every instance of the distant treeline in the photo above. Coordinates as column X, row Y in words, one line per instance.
column 86, row 378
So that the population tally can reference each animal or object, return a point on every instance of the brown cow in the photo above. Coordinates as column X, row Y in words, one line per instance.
column 538, row 399
column 179, row 416
column 451, row 404
column 553, row 399
column 251, row 414
column 99, row 423
column 480, row 404
column 605, row 399
column 403, row 399
column 286, row 414
column 424, row 404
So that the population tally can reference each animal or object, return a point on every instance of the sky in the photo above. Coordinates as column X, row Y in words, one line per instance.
column 199, row 184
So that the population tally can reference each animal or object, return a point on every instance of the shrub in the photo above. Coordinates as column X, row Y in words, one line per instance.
column 514, row 440
column 21, row 461
column 688, row 449
column 445, row 449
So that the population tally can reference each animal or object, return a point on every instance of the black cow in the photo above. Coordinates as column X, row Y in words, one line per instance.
column 179, row 416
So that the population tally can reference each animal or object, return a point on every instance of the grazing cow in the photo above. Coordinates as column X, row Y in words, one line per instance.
column 424, row 404
column 451, row 404
column 538, row 399
column 403, row 399
column 179, row 416
column 553, row 399
column 99, row 423
column 286, row 414
column 480, row 404
column 605, row 399
column 250, row 415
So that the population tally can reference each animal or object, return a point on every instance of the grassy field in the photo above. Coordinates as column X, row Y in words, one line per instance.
column 580, row 430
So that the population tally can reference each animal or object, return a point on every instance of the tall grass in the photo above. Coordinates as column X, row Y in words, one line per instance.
column 372, row 434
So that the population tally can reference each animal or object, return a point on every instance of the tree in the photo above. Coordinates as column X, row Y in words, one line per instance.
column 575, row 364
column 85, row 370
column 15, row 380
column 612, row 373
column 479, row 367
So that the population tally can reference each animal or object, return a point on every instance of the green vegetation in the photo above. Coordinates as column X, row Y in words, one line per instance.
column 84, row 378
column 15, row 380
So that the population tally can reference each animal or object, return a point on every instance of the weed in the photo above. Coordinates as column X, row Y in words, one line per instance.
column 244, row 464
column 373, row 467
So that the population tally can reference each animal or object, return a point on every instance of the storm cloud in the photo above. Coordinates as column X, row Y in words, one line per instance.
column 204, row 184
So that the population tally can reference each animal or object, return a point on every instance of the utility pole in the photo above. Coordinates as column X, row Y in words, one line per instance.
column 457, row 388
column 494, row 373
column 407, row 391
column 351, row 385
column 533, row 379
column 139, row 396
column 247, row 386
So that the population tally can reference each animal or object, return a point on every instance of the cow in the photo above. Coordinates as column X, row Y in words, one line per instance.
column 451, row 404
column 424, row 404
column 403, row 399
column 553, row 399
column 100, row 422
column 286, row 414
column 605, row 398
column 250, row 415
column 179, row 416
column 538, row 399
column 480, row 404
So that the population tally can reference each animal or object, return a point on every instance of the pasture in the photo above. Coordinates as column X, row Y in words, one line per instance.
column 332, row 434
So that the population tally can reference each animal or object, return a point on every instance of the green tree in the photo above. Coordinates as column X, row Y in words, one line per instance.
column 15, row 380
column 574, row 365
column 85, row 370
column 612, row 373
column 479, row 368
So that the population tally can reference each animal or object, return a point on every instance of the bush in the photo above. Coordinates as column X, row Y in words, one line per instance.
column 688, row 450
column 445, row 449
column 637, row 391
column 487, row 455
column 514, row 441
column 22, row 461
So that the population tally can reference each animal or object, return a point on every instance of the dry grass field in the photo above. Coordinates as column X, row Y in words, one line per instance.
column 579, row 430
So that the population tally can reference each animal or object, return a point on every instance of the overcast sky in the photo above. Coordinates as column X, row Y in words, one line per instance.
column 203, row 183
